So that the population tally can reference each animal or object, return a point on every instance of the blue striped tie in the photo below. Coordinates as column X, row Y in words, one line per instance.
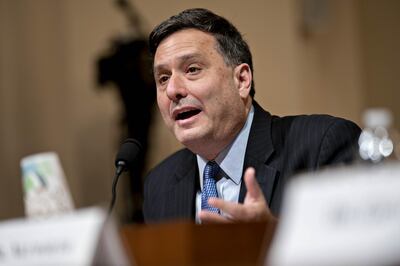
column 209, row 187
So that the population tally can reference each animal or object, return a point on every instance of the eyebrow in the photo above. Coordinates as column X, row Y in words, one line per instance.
column 181, row 59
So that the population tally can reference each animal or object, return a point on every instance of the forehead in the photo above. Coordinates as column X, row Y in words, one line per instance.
column 184, row 44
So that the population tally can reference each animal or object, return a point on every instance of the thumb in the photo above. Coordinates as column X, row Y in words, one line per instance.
column 253, row 189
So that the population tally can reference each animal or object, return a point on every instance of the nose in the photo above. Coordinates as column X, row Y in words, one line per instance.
column 176, row 89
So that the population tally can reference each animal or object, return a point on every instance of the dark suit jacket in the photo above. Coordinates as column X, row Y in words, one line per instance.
column 277, row 148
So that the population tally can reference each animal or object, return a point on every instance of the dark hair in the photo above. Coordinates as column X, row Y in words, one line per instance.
column 231, row 45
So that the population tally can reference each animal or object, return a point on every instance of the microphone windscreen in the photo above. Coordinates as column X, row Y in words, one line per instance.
column 128, row 152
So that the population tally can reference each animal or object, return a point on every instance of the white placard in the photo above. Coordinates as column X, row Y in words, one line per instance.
column 72, row 239
column 45, row 189
column 347, row 216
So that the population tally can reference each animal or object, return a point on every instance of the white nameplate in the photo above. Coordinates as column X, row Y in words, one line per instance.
column 72, row 239
column 347, row 216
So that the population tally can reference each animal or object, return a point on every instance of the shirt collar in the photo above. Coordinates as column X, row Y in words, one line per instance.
column 231, row 159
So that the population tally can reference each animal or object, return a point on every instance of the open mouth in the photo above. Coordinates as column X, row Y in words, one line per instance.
column 187, row 114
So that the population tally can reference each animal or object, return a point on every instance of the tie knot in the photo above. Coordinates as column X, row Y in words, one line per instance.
column 211, row 169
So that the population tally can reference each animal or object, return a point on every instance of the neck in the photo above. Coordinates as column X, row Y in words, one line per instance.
column 211, row 149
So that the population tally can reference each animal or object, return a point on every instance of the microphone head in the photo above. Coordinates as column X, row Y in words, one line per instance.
column 128, row 152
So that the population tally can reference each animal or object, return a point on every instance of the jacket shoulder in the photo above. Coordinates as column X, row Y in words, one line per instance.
column 311, row 125
column 315, row 140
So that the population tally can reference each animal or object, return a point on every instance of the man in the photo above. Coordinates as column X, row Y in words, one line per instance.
column 237, row 157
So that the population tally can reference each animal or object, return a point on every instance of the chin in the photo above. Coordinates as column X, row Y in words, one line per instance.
column 189, row 137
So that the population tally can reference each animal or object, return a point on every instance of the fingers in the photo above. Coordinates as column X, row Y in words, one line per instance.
column 232, row 209
column 207, row 217
column 233, row 212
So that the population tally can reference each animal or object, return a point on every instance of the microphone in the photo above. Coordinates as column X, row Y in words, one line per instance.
column 126, row 156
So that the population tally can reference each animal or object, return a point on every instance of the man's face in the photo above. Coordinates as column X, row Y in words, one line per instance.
column 200, row 97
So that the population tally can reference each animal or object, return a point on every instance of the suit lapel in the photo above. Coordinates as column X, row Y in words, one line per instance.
column 259, row 150
column 182, row 192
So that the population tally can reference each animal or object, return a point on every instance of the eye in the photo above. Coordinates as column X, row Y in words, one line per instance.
column 193, row 70
column 162, row 79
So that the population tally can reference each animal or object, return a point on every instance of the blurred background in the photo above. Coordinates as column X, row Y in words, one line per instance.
column 310, row 56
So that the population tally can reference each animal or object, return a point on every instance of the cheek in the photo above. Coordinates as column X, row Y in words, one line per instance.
column 163, row 105
column 225, row 93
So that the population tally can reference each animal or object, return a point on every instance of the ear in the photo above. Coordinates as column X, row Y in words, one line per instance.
column 243, row 79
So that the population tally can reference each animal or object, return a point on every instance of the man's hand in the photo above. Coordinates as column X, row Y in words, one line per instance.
column 253, row 209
